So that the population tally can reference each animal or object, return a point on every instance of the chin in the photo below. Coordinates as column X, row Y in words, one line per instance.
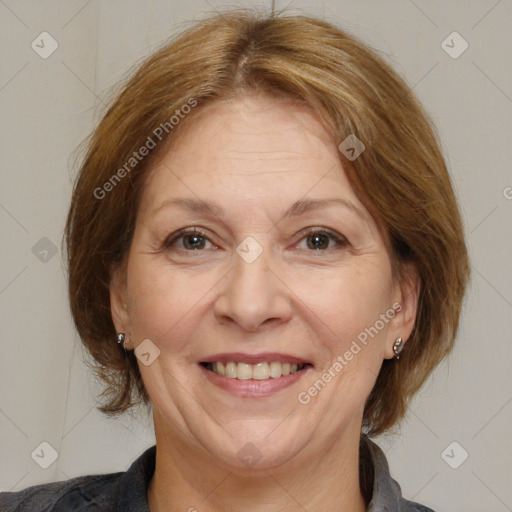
column 259, row 444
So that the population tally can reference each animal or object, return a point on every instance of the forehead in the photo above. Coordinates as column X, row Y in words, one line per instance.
column 250, row 146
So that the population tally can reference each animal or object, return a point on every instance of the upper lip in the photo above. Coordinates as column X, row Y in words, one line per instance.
column 264, row 357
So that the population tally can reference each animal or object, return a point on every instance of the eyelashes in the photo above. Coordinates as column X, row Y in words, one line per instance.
column 339, row 240
column 183, row 233
column 196, row 240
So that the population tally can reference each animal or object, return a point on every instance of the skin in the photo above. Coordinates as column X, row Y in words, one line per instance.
column 255, row 156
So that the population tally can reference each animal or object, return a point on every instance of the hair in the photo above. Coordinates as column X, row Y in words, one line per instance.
column 401, row 178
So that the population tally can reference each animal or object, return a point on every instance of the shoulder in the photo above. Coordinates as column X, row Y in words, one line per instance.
column 125, row 491
column 74, row 494
column 412, row 506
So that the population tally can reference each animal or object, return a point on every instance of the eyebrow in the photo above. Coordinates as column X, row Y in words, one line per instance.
column 300, row 207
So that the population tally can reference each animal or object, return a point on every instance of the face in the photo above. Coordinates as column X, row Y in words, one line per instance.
column 284, row 267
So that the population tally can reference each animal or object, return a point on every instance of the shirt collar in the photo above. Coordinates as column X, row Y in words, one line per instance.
column 386, row 495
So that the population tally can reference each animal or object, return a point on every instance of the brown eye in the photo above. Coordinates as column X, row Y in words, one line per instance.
column 193, row 242
column 318, row 241
column 322, row 240
column 188, row 240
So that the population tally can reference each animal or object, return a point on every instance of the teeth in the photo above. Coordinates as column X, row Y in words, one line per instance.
column 219, row 368
column 275, row 370
column 230, row 370
column 259, row 371
column 244, row 371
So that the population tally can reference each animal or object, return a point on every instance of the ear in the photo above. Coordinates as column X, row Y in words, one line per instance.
column 119, row 305
column 405, row 304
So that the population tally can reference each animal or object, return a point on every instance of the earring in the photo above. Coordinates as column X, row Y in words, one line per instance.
column 398, row 346
column 121, row 338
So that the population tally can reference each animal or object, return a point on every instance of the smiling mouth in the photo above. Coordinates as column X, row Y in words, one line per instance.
column 258, row 371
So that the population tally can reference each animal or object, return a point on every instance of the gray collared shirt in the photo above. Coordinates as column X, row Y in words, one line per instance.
column 127, row 491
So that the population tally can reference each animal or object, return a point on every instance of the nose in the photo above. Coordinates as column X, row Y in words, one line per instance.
column 254, row 296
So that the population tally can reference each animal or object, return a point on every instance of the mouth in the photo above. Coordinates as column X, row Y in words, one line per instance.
column 254, row 376
column 259, row 371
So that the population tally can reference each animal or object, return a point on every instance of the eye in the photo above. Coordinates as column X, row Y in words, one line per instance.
column 320, row 239
column 188, row 239
column 194, row 239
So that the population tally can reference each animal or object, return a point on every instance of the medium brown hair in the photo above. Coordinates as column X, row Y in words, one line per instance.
column 401, row 177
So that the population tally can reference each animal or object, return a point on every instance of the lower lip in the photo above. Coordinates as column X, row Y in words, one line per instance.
column 251, row 388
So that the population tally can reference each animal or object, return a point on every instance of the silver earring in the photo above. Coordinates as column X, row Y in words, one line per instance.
column 121, row 338
column 398, row 346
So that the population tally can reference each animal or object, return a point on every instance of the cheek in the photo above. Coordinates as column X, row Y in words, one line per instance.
column 333, row 306
column 163, row 302
column 349, row 301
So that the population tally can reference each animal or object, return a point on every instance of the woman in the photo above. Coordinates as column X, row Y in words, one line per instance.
column 264, row 247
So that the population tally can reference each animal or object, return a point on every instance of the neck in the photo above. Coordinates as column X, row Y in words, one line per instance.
column 185, row 479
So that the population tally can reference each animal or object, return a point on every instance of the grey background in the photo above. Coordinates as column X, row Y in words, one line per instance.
column 50, row 105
